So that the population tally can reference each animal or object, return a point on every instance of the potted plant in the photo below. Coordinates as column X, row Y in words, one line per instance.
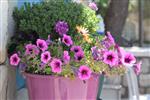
column 69, row 63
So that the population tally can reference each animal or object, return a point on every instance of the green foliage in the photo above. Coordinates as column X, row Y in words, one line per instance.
column 38, row 21
column 41, row 17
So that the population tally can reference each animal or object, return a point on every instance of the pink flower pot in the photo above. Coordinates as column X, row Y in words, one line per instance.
column 46, row 87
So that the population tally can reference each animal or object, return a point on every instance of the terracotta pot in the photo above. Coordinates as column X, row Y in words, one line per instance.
column 46, row 87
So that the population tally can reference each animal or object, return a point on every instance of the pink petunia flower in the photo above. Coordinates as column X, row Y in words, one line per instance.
column 76, row 49
column 56, row 65
column 110, row 57
column 14, row 59
column 79, row 56
column 45, row 57
column 67, row 40
column 110, row 38
column 137, row 68
column 31, row 49
column 121, row 53
column 93, row 6
column 84, row 72
column 35, row 50
column 66, row 57
column 128, row 59
column 42, row 44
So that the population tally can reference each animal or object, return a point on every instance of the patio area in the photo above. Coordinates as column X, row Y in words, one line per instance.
column 131, row 17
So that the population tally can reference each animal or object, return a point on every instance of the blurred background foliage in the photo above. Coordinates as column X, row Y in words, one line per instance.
column 103, row 6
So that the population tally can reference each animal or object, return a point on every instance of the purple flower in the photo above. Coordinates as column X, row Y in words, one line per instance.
column 93, row 6
column 84, row 72
column 22, row 66
column 67, row 40
column 78, row 56
column 45, row 57
column 137, row 68
column 108, row 41
column 35, row 50
column 14, row 59
column 110, row 38
column 61, row 27
column 120, row 52
column 66, row 57
column 110, row 57
column 76, row 49
column 56, row 65
column 31, row 49
column 95, row 53
column 42, row 44
column 128, row 59
column 48, row 41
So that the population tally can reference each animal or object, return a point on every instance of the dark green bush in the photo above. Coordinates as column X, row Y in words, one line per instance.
column 40, row 18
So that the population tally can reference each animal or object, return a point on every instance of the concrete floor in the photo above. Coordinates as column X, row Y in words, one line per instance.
column 22, row 95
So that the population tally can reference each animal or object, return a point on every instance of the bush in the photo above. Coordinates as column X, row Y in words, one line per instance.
column 40, row 18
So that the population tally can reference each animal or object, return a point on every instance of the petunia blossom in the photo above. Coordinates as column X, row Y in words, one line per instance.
column 31, row 49
column 66, row 57
column 79, row 56
column 45, row 57
column 128, row 59
column 84, row 72
column 67, row 40
column 93, row 6
column 108, row 41
column 42, row 44
column 35, row 50
column 76, row 49
column 14, row 59
column 110, row 57
column 110, row 38
column 137, row 68
column 56, row 65
column 120, row 53
column 61, row 27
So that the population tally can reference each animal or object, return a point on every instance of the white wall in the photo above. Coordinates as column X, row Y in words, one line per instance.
column 7, row 74
column 3, row 28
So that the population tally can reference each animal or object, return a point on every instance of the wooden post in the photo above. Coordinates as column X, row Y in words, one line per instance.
column 7, row 74
column 141, row 23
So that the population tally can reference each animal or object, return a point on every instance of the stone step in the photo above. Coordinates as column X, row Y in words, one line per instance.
column 111, row 92
column 139, row 51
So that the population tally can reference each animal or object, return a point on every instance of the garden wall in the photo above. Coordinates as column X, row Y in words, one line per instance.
column 143, row 79
column 7, row 74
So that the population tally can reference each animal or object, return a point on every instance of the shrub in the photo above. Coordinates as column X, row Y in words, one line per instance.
column 41, row 17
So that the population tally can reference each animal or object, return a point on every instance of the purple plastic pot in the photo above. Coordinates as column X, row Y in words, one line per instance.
column 41, row 87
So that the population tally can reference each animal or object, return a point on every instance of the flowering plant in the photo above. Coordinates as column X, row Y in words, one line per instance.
column 78, row 55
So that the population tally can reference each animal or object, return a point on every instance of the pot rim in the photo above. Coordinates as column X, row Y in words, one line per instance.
column 52, row 76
